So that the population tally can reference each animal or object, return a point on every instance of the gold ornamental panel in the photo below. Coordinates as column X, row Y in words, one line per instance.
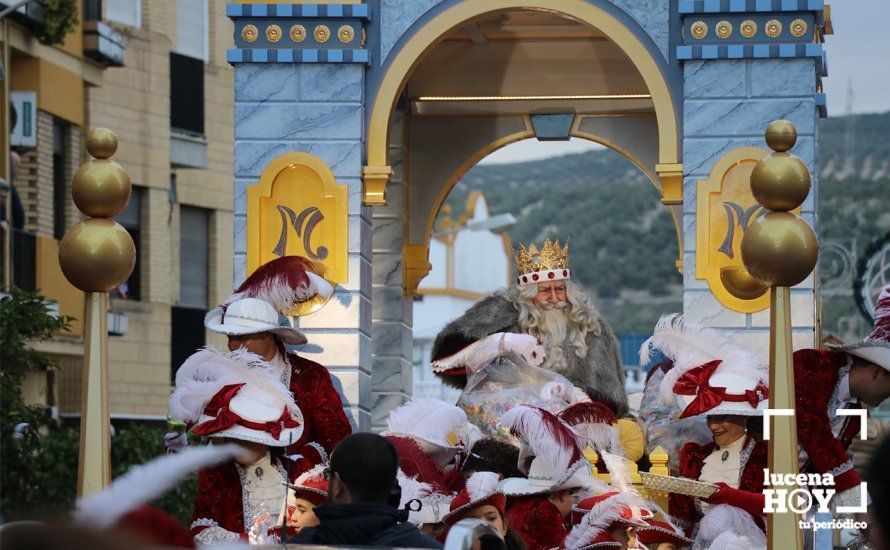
column 273, row 33
column 725, row 208
column 298, row 208
column 322, row 34
column 250, row 33
column 297, row 33
column 748, row 28
column 345, row 34
column 773, row 28
column 798, row 28
column 699, row 30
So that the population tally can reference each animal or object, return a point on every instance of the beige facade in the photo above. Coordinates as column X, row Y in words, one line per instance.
column 135, row 101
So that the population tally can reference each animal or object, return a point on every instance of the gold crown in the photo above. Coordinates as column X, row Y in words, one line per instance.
column 551, row 256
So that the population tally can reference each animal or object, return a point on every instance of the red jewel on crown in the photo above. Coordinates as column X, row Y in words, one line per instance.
column 524, row 279
column 535, row 277
column 551, row 275
column 565, row 273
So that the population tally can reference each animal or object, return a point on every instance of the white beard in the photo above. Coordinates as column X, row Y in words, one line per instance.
column 552, row 326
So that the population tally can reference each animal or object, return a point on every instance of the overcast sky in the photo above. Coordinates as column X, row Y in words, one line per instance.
column 858, row 57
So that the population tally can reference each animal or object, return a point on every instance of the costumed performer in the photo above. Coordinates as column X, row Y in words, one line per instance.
column 543, row 306
column 661, row 535
column 558, row 475
column 711, row 377
column 482, row 498
column 426, row 433
column 250, row 318
column 236, row 397
column 846, row 377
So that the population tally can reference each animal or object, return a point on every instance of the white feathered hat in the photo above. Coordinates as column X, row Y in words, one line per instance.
column 433, row 505
column 428, row 420
column 557, row 464
column 710, row 374
column 481, row 489
column 875, row 348
column 236, row 395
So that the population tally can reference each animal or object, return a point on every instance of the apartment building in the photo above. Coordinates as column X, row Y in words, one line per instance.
column 169, row 100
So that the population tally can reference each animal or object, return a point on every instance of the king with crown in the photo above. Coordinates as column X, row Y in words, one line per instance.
column 546, row 319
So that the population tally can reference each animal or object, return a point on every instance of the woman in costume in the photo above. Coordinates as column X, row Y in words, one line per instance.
column 483, row 499
column 608, row 520
column 236, row 397
column 713, row 378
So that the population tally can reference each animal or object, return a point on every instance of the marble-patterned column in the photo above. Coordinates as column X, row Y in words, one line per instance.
column 281, row 108
column 391, row 374
column 728, row 104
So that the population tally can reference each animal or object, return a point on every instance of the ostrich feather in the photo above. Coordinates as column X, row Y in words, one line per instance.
column 548, row 437
column 729, row 528
column 284, row 282
column 208, row 370
column 688, row 345
column 600, row 517
column 413, row 489
column 146, row 482
column 482, row 484
column 427, row 418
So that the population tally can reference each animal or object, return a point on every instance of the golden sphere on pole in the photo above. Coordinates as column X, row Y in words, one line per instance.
column 780, row 249
column 97, row 255
column 738, row 282
column 101, row 143
column 780, row 182
column 101, row 188
column 781, row 135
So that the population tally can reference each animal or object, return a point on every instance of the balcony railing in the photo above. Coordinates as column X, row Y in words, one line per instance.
column 101, row 42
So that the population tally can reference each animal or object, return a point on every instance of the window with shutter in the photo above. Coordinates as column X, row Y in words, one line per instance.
column 192, row 29
column 126, row 12
column 193, row 257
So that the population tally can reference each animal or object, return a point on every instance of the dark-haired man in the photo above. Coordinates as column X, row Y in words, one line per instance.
column 361, row 478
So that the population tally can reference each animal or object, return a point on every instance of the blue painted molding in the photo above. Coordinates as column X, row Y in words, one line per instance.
column 358, row 11
column 309, row 40
column 753, row 51
column 735, row 22
column 822, row 105
column 740, row 6
column 264, row 55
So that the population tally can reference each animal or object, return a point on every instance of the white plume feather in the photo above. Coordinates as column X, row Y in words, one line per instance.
column 688, row 345
column 729, row 528
column 317, row 471
column 208, row 370
column 617, row 472
column 146, row 482
column 482, row 484
column 412, row 489
column 548, row 438
column 427, row 418
column 594, row 523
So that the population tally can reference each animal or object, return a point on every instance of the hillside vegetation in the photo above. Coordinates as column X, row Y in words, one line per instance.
column 623, row 243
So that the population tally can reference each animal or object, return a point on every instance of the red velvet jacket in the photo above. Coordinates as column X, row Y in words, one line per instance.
column 325, row 422
column 220, row 499
column 537, row 521
column 692, row 459
column 816, row 376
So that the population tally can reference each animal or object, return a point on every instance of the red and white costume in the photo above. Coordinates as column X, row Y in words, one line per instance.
column 656, row 532
column 710, row 375
column 594, row 517
column 557, row 465
column 424, row 428
column 481, row 489
column 822, row 387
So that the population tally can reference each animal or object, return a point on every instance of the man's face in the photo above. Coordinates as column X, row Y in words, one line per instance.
column 262, row 344
column 552, row 292
column 869, row 382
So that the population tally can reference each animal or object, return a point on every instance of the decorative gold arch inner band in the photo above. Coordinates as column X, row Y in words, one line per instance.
column 532, row 97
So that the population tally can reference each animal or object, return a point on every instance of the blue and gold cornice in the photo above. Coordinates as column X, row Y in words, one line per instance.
column 299, row 33
column 752, row 29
